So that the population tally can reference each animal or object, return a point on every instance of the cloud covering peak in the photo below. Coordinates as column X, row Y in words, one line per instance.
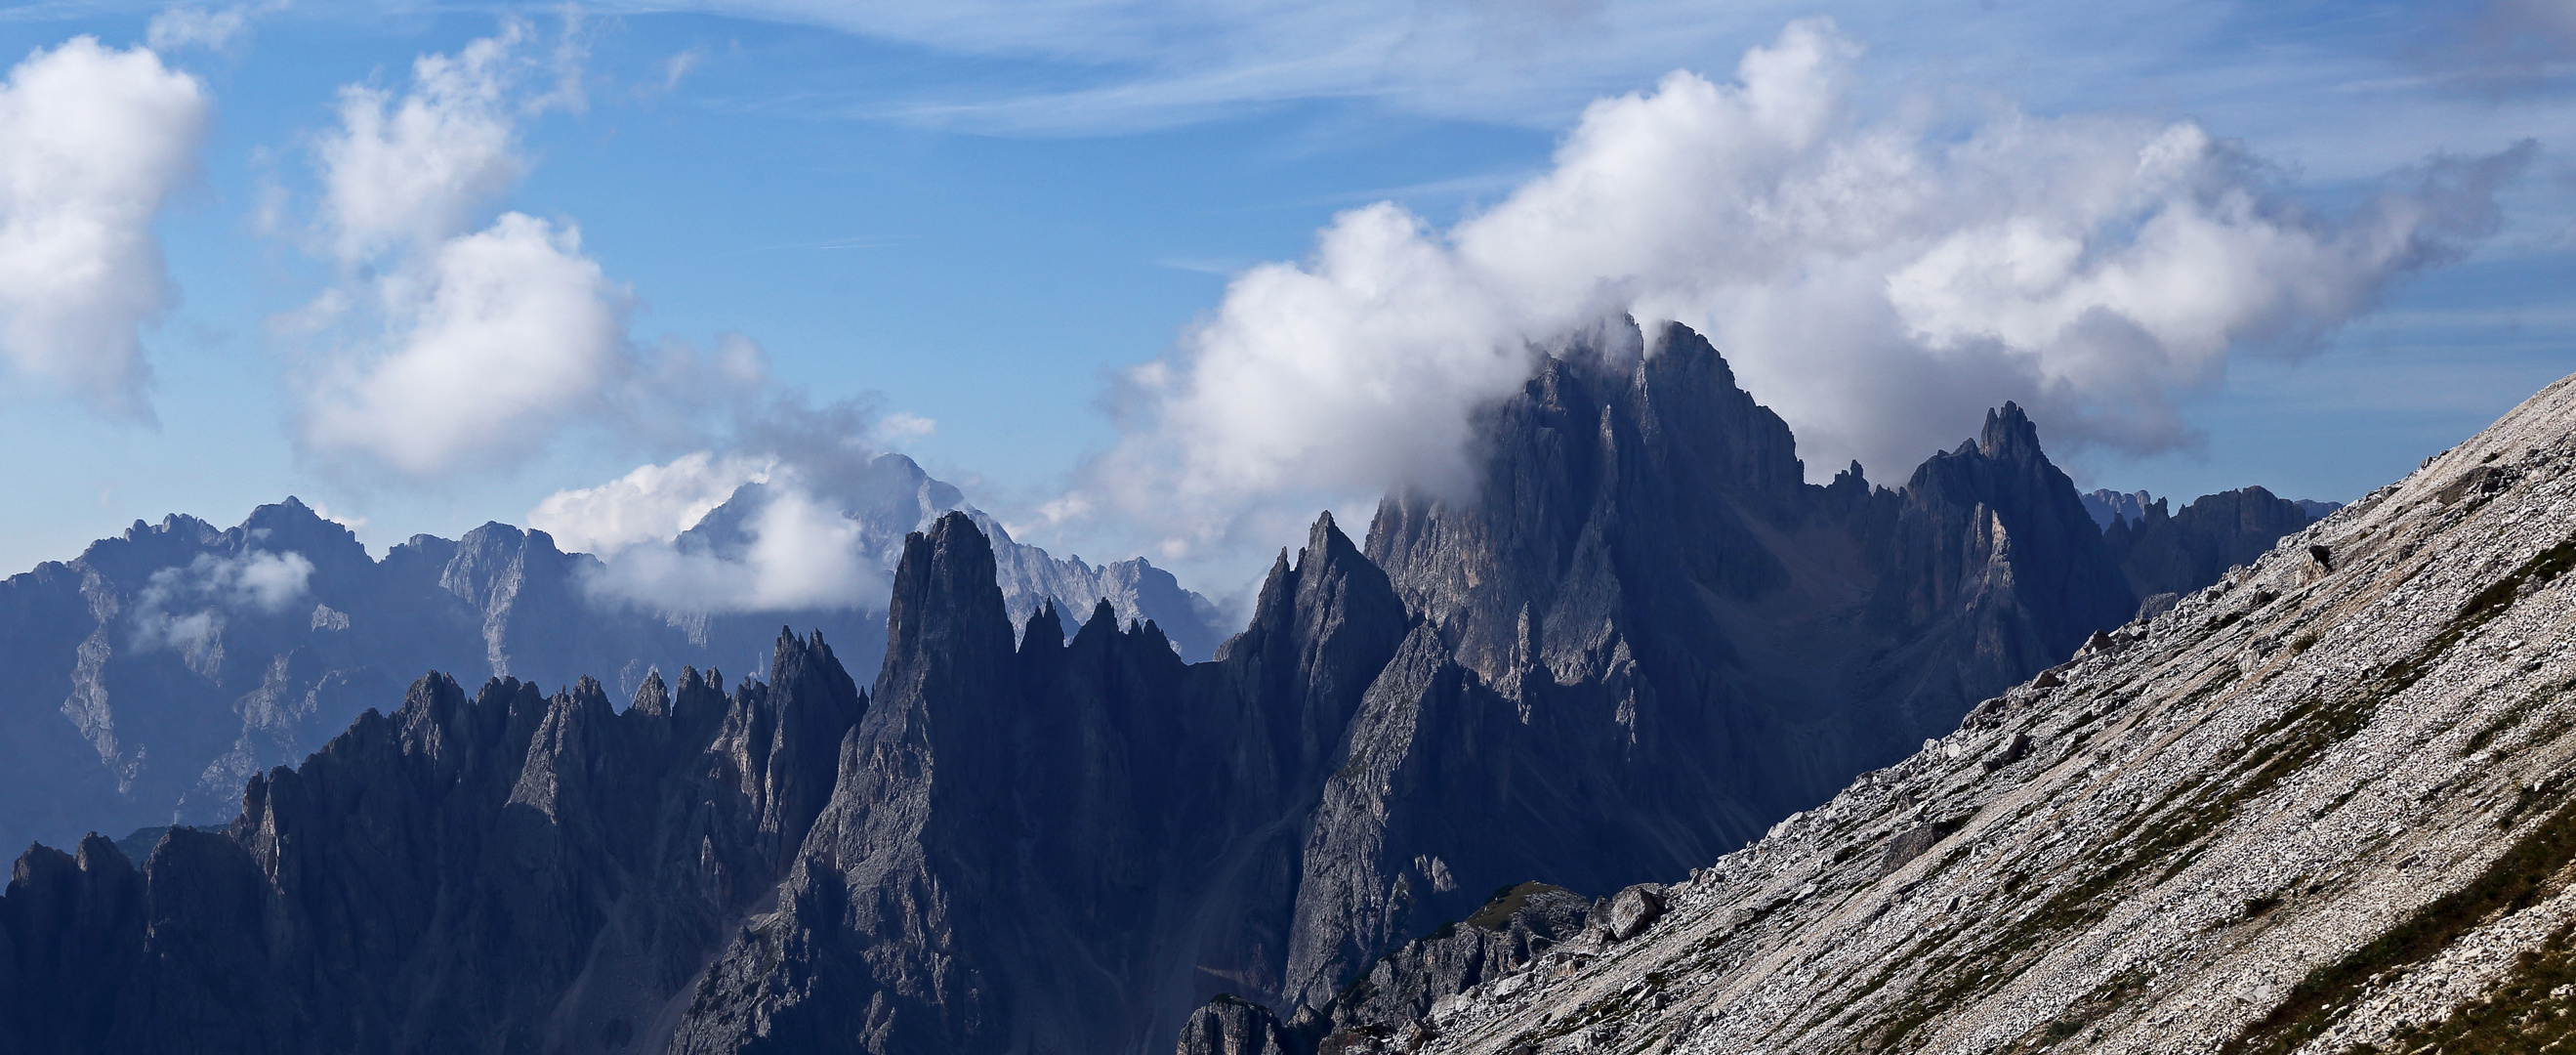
column 1879, row 281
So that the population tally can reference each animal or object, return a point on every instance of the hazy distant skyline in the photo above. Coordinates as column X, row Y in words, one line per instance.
column 427, row 266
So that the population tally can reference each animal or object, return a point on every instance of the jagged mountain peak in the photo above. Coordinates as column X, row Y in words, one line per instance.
column 2009, row 434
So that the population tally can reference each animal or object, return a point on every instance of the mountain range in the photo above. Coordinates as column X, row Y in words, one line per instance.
column 159, row 670
column 1641, row 643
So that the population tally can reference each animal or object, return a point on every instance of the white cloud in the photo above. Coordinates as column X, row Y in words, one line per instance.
column 502, row 337
column 448, row 347
column 195, row 27
column 796, row 552
column 185, row 608
column 679, row 65
column 798, row 509
column 92, row 142
column 1878, row 282
column 353, row 522
column 902, row 427
column 651, row 504
column 415, row 171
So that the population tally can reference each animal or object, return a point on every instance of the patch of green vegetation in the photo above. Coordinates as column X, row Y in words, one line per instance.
column 2514, row 715
column 2524, row 1013
column 2304, row 642
column 2279, row 748
column 2483, row 608
column 2176, row 827
column 1497, row 911
column 2514, row 881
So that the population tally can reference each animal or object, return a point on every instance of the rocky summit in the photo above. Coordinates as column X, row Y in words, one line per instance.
column 1639, row 644
column 2323, row 805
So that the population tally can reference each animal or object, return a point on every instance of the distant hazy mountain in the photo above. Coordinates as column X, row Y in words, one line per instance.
column 154, row 674
column 2109, row 507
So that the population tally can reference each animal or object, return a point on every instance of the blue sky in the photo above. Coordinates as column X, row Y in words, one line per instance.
column 978, row 219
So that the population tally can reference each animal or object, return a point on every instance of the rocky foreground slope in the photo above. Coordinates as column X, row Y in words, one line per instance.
column 2322, row 806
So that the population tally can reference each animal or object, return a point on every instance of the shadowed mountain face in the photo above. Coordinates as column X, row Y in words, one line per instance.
column 2321, row 805
column 507, row 872
column 1648, row 639
column 160, row 670
column 1642, row 643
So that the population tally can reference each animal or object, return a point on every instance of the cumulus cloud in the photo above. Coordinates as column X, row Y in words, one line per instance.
column 92, row 142
column 1880, row 282
column 503, row 335
column 654, row 503
column 792, row 550
column 185, row 608
column 416, row 170
column 799, row 508
column 450, row 347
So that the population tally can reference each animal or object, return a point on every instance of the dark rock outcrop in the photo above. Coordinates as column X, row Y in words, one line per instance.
column 1075, row 841
column 507, row 872
column 1505, row 936
column 1658, row 639
column 1231, row 1025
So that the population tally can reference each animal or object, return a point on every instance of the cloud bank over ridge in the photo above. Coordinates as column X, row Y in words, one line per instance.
column 1878, row 281
column 814, row 513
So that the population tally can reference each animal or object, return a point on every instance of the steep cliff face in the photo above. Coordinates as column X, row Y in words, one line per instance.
column 1058, row 845
column 2321, row 806
column 509, row 872
column 1646, row 638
